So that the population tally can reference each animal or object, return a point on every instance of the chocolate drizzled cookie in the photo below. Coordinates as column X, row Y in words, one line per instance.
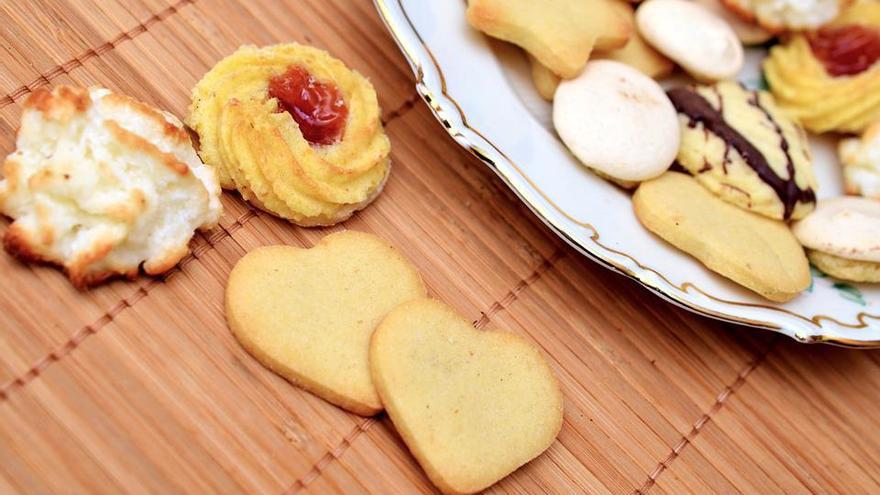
column 741, row 147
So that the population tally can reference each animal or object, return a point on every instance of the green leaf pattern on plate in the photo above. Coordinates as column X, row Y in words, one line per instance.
column 846, row 291
column 850, row 293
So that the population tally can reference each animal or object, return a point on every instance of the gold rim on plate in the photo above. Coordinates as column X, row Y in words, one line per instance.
column 418, row 65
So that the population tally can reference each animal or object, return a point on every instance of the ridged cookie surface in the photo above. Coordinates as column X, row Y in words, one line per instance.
column 261, row 151
column 101, row 184
column 739, row 145
column 819, row 100
column 752, row 250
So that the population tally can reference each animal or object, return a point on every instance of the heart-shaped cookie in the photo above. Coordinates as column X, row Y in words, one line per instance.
column 308, row 314
column 471, row 405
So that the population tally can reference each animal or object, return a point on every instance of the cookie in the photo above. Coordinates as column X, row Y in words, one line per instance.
column 637, row 52
column 692, row 36
column 617, row 121
column 748, row 32
column 308, row 314
column 738, row 144
column 860, row 158
column 829, row 80
column 786, row 15
column 845, row 269
column 560, row 36
column 842, row 235
column 752, row 250
column 294, row 130
column 544, row 79
column 101, row 184
column 471, row 405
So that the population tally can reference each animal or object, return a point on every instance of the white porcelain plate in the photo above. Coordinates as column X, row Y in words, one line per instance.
column 481, row 93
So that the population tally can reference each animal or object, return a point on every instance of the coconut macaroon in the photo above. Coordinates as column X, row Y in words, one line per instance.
column 101, row 184
column 784, row 15
column 294, row 130
column 860, row 158
column 841, row 238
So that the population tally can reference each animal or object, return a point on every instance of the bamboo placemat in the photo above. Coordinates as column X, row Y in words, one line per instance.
column 139, row 387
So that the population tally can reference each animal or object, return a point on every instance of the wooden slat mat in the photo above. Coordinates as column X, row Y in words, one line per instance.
column 139, row 386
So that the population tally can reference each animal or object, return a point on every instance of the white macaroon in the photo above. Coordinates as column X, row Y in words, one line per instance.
column 617, row 121
column 692, row 36
column 847, row 227
column 102, row 185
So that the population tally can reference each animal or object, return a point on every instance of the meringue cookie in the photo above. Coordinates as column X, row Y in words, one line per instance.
column 617, row 121
column 691, row 35
column 847, row 227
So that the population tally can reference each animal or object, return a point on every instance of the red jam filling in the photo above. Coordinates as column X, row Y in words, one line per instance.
column 318, row 107
column 846, row 50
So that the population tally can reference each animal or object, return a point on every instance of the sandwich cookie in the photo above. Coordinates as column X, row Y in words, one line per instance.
column 617, row 121
column 692, row 36
column 842, row 238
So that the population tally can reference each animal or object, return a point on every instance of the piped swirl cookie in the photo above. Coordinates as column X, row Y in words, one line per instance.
column 829, row 80
column 102, row 185
column 294, row 130
column 740, row 146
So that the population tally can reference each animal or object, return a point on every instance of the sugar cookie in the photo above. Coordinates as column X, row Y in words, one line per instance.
column 308, row 314
column 560, row 36
column 471, row 405
column 617, row 121
column 544, row 79
column 754, row 251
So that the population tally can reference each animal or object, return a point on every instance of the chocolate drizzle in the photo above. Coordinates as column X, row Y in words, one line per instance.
column 698, row 110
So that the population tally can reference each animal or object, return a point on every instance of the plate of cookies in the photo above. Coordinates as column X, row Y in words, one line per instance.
column 723, row 153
